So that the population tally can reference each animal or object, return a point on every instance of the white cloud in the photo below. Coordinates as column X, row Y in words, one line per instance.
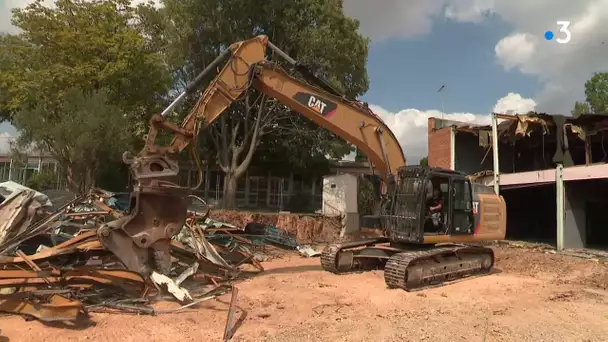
column 410, row 125
column 468, row 10
column 515, row 103
column 516, row 50
column 408, row 18
column 394, row 18
column 561, row 68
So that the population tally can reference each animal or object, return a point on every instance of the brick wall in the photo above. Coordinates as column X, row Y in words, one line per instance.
column 439, row 145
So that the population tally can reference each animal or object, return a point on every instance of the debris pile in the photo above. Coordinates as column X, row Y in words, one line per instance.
column 53, row 267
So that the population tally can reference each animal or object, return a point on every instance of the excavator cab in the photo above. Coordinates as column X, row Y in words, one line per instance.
column 410, row 219
column 425, row 247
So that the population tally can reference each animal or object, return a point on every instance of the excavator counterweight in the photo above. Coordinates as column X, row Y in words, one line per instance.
column 141, row 240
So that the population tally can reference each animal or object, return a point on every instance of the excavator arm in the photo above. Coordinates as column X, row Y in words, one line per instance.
column 159, row 206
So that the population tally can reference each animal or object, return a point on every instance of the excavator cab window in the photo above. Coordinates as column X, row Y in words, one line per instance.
column 437, row 216
column 462, row 202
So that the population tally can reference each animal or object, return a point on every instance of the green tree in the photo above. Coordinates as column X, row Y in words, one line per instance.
column 39, row 180
column 315, row 32
column 88, row 132
column 424, row 161
column 366, row 196
column 97, row 46
column 596, row 96
column 91, row 45
column 580, row 108
column 360, row 156
column 596, row 91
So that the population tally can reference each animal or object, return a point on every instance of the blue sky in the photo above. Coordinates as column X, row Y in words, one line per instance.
column 407, row 72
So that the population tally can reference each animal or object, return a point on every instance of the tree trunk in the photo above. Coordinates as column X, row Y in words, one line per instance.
column 230, row 186
column 86, row 180
column 230, row 152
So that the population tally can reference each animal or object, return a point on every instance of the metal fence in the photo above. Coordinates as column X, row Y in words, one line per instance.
column 21, row 173
column 259, row 192
column 254, row 191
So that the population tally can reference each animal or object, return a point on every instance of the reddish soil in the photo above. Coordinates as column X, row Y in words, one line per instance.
column 308, row 228
column 536, row 296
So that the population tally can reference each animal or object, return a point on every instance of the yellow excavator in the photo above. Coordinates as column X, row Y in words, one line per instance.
column 420, row 247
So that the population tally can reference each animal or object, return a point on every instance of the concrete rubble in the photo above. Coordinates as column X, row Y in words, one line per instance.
column 53, row 267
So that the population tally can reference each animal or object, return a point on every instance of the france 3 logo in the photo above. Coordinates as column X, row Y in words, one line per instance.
column 564, row 35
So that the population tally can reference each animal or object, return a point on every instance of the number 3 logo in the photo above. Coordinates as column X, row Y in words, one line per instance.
column 564, row 29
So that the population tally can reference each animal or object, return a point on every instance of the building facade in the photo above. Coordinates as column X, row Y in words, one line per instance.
column 21, row 171
column 545, row 167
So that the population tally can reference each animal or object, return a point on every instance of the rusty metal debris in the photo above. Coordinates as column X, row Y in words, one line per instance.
column 230, row 323
column 53, row 266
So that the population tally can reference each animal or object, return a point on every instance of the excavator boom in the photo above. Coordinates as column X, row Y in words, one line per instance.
column 141, row 240
column 247, row 67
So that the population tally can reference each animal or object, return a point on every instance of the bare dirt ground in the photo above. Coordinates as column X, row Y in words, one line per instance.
column 536, row 296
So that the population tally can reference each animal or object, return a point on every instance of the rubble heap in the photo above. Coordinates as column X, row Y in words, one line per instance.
column 53, row 267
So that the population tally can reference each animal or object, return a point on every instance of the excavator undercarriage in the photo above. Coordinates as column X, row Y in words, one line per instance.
column 412, row 267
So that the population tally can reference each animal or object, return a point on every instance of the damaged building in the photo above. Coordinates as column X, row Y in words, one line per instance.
column 551, row 170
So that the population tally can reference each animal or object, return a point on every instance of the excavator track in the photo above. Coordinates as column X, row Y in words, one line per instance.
column 329, row 258
column 350, row 257
column 416, row 270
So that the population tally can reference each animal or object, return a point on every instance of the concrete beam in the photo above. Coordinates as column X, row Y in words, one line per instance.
column 560, row 205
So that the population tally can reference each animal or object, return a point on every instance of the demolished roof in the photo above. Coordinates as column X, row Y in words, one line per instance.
column 520, row 125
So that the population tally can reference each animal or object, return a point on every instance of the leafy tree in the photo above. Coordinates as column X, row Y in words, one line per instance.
column 91, row 45
column 8, row 66
column 39, row 180
column 316, row 32
column 580, row 108
column 366, row 196
column 97, row 46
column 88, row 132
column 424, row 161
column 360, row 156
column 596, row 93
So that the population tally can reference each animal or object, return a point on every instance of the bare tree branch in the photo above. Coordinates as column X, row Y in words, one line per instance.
column 254, row 140
column 215, row 138
column 248, row 131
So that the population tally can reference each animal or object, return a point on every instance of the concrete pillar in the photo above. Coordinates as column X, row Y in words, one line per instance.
column 10, row 170
column 495, row 156
column 560, row 209
column 575, row 196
